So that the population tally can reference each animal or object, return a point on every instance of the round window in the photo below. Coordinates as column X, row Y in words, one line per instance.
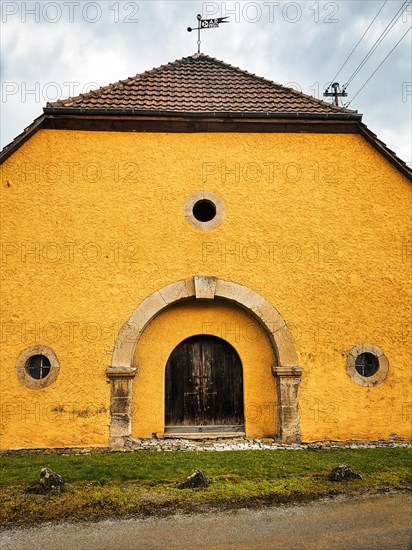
column 204, row 211
column 367, row 364
column 38, row 367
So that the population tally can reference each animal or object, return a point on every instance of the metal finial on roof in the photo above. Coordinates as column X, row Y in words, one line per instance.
column 206, row 24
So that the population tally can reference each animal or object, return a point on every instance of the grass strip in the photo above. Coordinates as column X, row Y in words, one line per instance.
column 123, row 484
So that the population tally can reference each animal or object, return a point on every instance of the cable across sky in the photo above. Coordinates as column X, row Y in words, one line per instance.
column 382, row 36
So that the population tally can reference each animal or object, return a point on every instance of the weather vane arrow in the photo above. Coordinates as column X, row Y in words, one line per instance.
column 206, row 24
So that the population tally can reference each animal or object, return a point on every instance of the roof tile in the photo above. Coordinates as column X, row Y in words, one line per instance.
column 197, row 84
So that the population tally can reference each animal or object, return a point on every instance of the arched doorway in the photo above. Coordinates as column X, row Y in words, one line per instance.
column 285, row 366
column 204, row 387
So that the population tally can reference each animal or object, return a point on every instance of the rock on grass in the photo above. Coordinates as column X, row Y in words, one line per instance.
column 343, row 473
column 50, row 483
column 196, row 480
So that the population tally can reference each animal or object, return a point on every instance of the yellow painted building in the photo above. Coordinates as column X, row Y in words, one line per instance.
column 197, row 250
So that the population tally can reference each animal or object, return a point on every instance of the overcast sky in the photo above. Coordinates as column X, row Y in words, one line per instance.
column 52, row 50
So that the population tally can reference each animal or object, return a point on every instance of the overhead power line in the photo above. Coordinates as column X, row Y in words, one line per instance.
column 359, row 41
column 378, row 41
column 380, row 64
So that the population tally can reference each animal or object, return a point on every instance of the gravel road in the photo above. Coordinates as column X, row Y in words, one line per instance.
column 377, row 522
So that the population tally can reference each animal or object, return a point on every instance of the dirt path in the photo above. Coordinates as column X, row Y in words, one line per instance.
column 378, row 522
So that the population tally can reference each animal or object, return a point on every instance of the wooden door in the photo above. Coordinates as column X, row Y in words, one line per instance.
column 204, row 385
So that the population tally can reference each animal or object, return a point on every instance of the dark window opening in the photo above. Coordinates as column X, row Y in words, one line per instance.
column 38, row 367
column 204, row 211
column 367, row 364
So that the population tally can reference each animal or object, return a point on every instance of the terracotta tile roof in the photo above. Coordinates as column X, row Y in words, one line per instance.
column 199, row 84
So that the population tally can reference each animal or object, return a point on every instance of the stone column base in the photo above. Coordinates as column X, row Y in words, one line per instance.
column 121, row 380
column 287, row 382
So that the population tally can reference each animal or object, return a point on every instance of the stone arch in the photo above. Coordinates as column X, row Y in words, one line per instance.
column 285, row 367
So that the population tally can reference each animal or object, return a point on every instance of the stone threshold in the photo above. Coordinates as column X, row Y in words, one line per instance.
column 233, row 443
column 204, row 435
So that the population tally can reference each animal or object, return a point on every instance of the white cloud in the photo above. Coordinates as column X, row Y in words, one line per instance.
column 308, row 51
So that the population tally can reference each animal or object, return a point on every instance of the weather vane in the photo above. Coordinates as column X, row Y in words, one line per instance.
column 206, row 24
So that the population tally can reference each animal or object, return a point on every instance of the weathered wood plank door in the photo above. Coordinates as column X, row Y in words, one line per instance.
column 204, row 384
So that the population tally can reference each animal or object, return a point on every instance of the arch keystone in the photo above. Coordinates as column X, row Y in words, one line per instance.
column 205, row 288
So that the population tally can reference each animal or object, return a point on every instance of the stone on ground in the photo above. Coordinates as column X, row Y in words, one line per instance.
column 343, row 473
column 50, row 482
column 197, row 479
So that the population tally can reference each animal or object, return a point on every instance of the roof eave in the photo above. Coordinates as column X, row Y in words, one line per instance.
column 79, row 111
column 10, row 148
column 46, row 121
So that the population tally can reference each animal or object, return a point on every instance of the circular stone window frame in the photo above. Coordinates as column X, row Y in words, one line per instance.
column 205, row 196
column 21, row 368
column 367, row 381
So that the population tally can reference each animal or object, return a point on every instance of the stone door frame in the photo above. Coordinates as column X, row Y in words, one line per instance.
column 286, row 369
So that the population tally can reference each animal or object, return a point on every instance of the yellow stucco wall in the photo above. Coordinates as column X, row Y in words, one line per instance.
column 92, row 223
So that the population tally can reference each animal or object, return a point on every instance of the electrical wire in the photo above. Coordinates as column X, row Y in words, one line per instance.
column 359, row 41
column 380, row 64
column 378, row 41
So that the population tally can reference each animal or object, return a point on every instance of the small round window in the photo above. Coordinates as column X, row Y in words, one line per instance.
column 38, row 367
column 204, row 210
column 367, row 365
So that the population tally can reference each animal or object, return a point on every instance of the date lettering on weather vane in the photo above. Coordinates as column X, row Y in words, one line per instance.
column 206, row 24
